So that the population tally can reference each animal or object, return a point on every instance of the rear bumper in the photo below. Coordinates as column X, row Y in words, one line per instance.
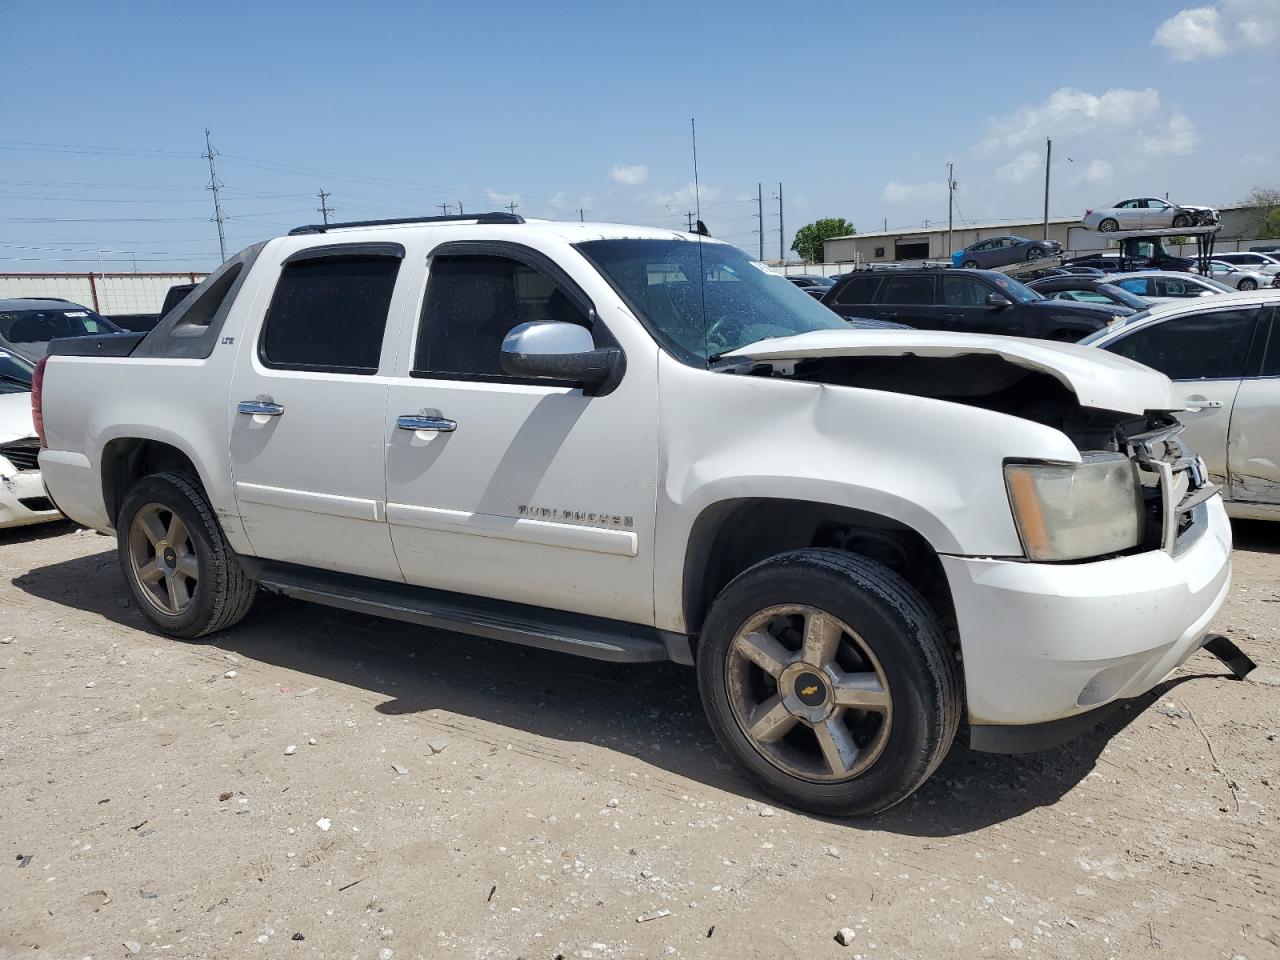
column 1047, row 642
column 75, row 486
column 23, row 499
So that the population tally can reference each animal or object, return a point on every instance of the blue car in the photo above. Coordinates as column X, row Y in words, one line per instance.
column 1003, row 251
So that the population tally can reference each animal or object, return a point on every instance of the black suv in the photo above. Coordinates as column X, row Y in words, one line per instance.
column 965, row 301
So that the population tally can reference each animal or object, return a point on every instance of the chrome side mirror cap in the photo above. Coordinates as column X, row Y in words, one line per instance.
column 556, row 350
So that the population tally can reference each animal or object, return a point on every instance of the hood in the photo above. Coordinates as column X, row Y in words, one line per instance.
column 1098, row 311
column 1097, row 378
column 15, row 417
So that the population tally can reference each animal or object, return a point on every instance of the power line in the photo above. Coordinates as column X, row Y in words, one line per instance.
column 215, row 186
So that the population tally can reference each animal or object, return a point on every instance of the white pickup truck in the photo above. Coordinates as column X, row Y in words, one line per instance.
column 634, row 444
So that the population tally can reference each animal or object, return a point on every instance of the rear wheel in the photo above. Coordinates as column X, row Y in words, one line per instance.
column 1109, row 225
column 176, row 561
column 828, row 678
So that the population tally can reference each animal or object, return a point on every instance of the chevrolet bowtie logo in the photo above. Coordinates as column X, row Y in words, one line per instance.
column 809, row 691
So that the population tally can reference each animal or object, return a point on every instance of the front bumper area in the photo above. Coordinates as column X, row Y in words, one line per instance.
column 23, row 499
column 1048, row 642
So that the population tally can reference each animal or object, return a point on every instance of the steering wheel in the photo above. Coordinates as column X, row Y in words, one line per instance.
column 712, row 332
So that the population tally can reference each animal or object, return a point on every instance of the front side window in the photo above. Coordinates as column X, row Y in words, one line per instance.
column 473, row 302
column 963, row 292
column 329, row 313
column 1271, row 359
column 1171, row 287
column 700, row 299
column 1213, row 345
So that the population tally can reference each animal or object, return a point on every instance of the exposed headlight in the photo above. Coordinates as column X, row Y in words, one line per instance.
column 1075, row 511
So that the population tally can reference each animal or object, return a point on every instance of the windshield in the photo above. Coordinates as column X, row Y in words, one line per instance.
column 1015, row 289
column 41, row 326
column 1121, row 295
column 738, row 304
column 15, row 374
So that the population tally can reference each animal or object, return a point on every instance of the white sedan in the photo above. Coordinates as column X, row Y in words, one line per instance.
column 1223, row 356
column 22, row 496
column 1160, row 286
column 1241, row 278
column 1251, row 260
column 1148, row 213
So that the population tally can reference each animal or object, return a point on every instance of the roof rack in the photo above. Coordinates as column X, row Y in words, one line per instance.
column 451, row 218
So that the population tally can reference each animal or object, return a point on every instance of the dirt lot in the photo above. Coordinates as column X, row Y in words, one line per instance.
column 454, row 797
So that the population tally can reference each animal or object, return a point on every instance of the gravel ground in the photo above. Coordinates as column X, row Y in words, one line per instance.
column 320, row 784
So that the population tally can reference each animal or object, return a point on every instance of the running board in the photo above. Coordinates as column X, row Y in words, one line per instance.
column 575, row 633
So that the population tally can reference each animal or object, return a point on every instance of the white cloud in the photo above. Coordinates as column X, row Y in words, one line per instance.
column 1068, row 111
column 1176, row 137
column 1094, row 172
column 684, row 198
column 1020, row 168
column 630, row 176
column 895, row 192
column 1213, row 31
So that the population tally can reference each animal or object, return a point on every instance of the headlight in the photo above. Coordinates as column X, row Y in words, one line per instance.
column 1074, row 511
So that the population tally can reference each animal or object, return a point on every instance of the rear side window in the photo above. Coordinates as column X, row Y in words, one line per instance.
column 909, row 290
column 330, row 314
column 1271, row 360
column 1205, row 346
column 859, row 290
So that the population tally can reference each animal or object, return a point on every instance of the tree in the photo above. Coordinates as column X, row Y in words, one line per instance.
column 810, row 237
column 1267, row 221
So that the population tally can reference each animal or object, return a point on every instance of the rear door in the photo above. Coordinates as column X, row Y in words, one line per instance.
column 1205, row 354
column 912, row 299
column 307, row 403
column 1255, row 423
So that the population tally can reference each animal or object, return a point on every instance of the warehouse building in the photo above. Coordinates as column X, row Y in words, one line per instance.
column 107, row 293
column 885, row 246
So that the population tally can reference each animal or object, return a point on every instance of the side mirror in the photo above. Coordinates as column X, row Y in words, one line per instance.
column 556, row 350
column 997, row 301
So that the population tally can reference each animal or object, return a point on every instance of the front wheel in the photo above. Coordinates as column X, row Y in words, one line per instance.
column 829, row 679
column 1181, row 220
column 1035, row 253
column 970, row 264
column 1247, row 284
column 179, row 568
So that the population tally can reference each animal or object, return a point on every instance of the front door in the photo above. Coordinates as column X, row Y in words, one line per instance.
column 511, row 488
column 1255, row 425
column 307, row 411
column 1205, row 354
column 965, row 308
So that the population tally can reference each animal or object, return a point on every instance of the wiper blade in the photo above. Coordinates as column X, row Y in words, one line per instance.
column 9, row 378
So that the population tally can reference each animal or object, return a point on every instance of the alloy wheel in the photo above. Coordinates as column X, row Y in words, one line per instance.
column 808, row 693
column 163, row 559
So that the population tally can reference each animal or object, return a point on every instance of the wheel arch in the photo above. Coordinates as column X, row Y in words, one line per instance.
column 731, row 535
column 127, row 459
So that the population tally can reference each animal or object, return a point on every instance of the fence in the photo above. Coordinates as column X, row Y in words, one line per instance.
column 108, row 293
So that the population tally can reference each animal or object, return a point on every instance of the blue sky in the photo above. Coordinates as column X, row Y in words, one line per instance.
column 397, row 108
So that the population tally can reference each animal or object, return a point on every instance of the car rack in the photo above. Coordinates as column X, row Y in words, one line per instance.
column 1204, row 237
column 401, row 221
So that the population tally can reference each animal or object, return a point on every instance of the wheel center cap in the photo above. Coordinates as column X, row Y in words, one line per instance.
column 811, row 690
column 166, row 556
column 806, row 692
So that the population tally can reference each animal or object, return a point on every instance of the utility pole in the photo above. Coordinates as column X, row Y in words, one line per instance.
column 512, row 207
column 886, row 224
column 459, row 208
column 215, row 185
column 782, row 255
column 582, row 215
column 444, row 209
column 760, row 216
column 951, row 203
column 1048, row 158
column 689, row 217
column 324, row 208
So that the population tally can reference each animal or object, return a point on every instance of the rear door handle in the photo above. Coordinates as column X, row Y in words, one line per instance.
column 261, row 407
column 418, row 421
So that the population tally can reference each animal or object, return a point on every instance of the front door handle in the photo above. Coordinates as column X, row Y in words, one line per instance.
column 418, row 421
column 261, row 407
column 1202, row 404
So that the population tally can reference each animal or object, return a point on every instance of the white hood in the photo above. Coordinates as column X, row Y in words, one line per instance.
column 15, row 417
column 1097, row 378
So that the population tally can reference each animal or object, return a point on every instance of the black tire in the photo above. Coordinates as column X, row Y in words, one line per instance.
column 970, row 265
column 1035, row 253
column 223, row 591
column 1181, row 220
column 1109, row 225
column 904, row 634
column 1247, row 284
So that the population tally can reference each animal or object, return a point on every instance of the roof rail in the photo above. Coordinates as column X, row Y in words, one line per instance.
column 451, row 218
